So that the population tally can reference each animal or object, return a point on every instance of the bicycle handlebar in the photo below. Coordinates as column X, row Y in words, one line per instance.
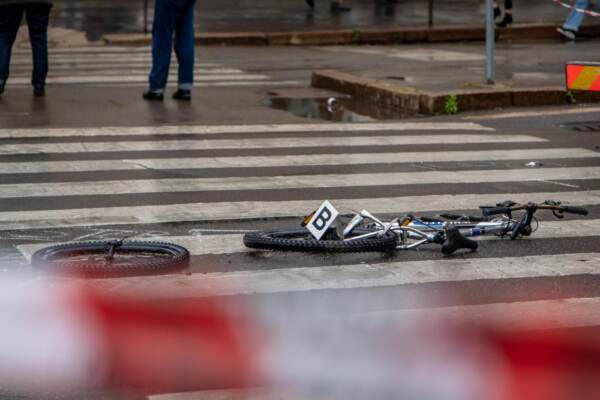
column 574, row 210
column 489, row 211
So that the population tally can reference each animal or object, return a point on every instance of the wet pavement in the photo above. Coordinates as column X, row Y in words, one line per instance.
column 268, row 83
column 254, row 118
column 98, row 17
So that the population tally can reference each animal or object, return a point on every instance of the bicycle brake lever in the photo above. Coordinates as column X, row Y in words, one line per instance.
column 558, row 214
column 525, row 222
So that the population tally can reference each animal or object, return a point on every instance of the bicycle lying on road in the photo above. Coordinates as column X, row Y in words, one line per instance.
column 321, row 231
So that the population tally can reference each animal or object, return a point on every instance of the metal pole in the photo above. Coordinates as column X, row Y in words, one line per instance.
column 145, row 17
column 430, row 13
column 490, row 68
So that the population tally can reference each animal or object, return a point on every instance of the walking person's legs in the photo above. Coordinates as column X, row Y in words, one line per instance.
column 38, row 16
column 508, row 15
column 574, row 20
column 185, row 44
column 10, row 19
column 165, row 15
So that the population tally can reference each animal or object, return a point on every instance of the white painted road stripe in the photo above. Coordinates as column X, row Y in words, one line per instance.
column 71, row 71
column 233, row 83
column 26, row 63
column 91, row 49
column 133, row 79
column 259, row 143
column 110, row 62
column 233, row 243
column 355, row 276
column 293, row 161
column 528, row 114
column 272, row 128
column 116, row 187
column 74, row 58
column 230, row 210
column 104, row 66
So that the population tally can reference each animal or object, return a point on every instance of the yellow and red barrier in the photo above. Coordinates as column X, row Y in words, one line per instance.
column 583, row 76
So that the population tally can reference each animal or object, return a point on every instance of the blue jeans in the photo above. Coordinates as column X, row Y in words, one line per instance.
column 37, row 21
column 575, row 18
column 173, row 20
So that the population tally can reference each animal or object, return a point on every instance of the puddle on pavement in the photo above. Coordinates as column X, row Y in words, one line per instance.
column 336, row 109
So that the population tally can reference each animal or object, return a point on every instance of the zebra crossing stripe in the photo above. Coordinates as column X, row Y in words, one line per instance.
column 259, row 128
column 233, row 243
column 105, row 67
column 69, row 71
column 366, row 275
column 258, row 143
column 91, row 50
column 527, row 114
column 293, row 160
column 117, row 187
column 78, row 58
column 132, row 79
column 206, row 84
column 145, row 62
column 246, row 210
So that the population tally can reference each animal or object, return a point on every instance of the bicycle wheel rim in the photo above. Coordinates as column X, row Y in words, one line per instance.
column 131, row 258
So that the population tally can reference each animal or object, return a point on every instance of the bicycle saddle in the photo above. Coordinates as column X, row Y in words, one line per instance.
column 455, row 241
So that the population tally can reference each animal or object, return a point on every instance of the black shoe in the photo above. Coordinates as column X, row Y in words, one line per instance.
column 151, row 95
column 497, row 12
column 336, row 7
column 39, row 91
column 506, row 21
column 182, row 94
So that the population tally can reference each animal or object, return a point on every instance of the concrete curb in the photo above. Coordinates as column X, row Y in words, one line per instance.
column 362, row 36
column 430, row 103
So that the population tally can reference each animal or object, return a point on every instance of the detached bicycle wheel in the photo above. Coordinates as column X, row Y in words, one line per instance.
column 113, row 258
column 296, row 239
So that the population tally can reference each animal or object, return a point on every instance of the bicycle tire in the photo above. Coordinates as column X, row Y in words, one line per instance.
column 300, row 240
column 130, row 258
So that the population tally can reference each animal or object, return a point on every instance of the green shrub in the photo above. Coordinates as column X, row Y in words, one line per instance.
column 451, row 106
column 356, row 36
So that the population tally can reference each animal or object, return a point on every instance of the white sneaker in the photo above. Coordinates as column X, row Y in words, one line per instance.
column 569, row 34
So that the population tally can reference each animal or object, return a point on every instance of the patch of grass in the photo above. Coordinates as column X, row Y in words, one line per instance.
column 451, row 105
column 571, row 97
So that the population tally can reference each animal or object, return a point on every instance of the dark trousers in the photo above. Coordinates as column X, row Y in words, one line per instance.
column 173, row 20
column 37, row 21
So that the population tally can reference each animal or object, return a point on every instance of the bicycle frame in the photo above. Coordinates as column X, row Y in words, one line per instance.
column 413, row 232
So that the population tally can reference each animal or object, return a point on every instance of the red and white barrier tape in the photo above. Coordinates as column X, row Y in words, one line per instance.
column 581, row 10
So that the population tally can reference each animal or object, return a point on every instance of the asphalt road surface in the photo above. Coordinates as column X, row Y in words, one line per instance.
column 203, row 178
